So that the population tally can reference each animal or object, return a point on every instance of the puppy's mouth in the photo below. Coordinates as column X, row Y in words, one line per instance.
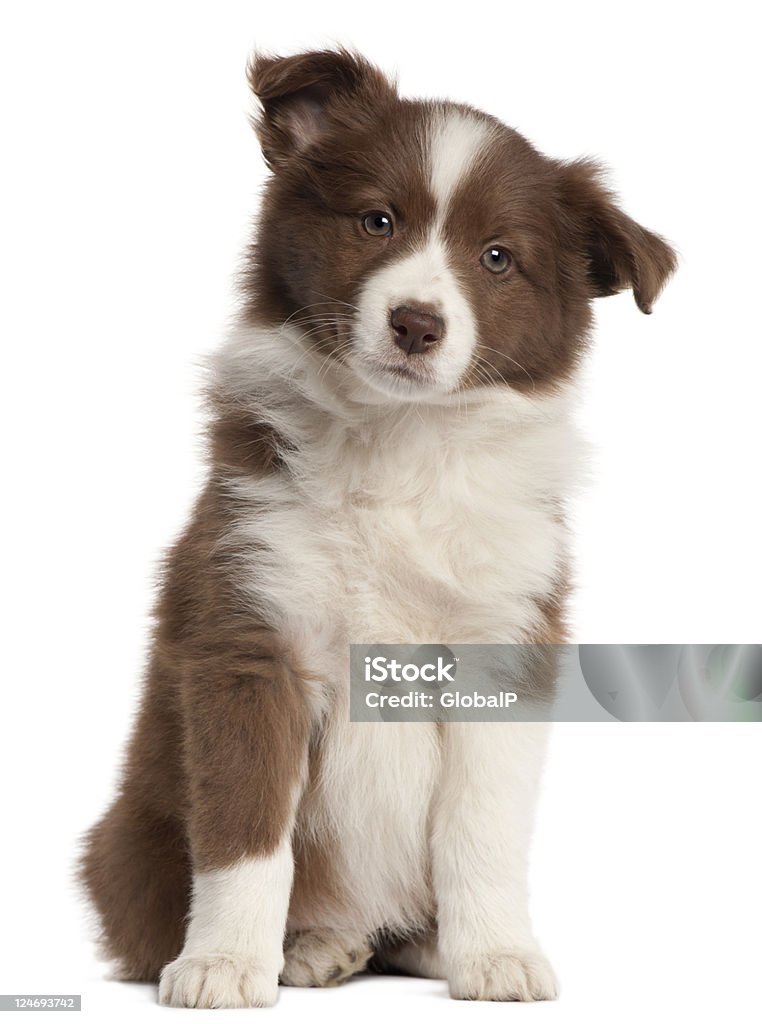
column 409, row 379
column 404, row 372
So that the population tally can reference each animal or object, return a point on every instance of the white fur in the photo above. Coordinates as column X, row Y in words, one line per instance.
column 481, row 829
column 375, row 793
column 233, row 950
column 455, row 140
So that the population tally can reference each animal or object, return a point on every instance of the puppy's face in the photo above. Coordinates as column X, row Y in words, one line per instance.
column 425, row 245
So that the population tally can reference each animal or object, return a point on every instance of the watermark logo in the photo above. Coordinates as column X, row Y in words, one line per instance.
column 431, row 664
column 556, row 682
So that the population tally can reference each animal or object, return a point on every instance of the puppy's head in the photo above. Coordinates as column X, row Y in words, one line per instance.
column 425, row 245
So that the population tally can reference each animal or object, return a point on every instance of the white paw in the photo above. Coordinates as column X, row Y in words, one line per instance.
column 505, row 976
column 212, row 982
column 318, row 958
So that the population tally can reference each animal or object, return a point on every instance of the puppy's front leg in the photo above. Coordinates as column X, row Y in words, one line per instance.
column 480, row 841
column 246, row 749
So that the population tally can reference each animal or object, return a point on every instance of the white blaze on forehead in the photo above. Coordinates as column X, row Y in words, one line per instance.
column 456, row 138
column 425, row 277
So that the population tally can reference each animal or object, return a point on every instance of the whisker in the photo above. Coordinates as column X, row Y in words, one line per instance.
column 311, row 305
column 340, row 302
column 511, row 360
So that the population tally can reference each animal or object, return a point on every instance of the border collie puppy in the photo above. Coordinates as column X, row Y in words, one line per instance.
column 390, row 447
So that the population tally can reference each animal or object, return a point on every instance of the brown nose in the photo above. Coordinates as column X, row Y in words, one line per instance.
column 416, row 330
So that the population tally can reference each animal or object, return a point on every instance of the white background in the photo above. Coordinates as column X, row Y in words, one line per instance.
column 129, row 178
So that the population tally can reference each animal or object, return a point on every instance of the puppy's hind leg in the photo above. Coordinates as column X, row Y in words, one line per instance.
column 135, row 865
column 136, row 870
column 320, row 957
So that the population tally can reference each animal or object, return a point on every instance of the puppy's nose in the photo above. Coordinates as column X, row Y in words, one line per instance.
column 416, row 330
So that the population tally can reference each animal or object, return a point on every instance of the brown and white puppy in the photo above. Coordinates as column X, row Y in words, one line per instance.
column 390, row 448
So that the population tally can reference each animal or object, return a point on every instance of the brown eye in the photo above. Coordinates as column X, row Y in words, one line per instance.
column 497, row 260
column 378, row 224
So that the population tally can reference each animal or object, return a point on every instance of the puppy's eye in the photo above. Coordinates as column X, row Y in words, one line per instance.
column 497, row 260
column 378, row 224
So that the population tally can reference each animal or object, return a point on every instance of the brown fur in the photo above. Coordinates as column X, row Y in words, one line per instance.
column 242, row 444
column 220, row 742
column 317, row 881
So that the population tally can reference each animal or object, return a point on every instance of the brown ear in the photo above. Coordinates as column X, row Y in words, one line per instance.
column 300, row 93
column 620, row 253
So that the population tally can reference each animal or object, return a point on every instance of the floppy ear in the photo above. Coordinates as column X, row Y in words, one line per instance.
column 299, row 94
column 620, row 253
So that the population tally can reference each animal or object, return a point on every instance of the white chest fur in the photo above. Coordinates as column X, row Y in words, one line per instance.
column 422, row 524
column 431, row 525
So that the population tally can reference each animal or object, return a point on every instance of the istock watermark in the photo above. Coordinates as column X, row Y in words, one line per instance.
column 381, row 670
column 554, row 682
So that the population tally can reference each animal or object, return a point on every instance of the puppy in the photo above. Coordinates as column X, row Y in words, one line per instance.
column 390, row 446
